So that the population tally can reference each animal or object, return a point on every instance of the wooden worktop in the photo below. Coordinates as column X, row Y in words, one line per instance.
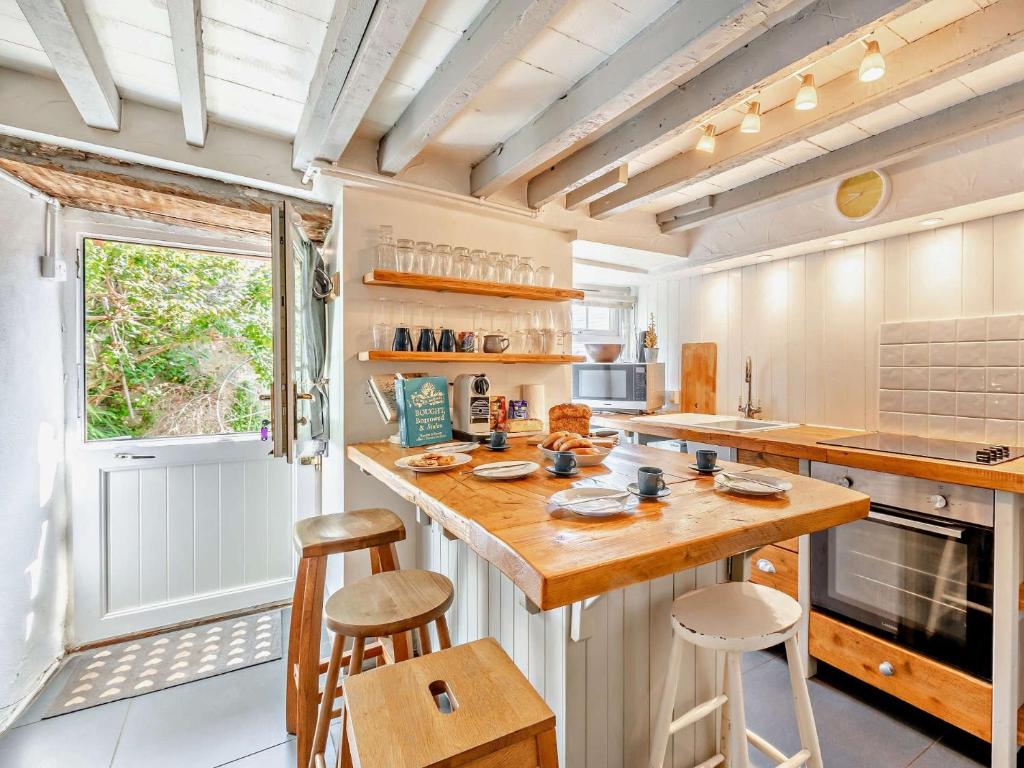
column 558, row 558
column 802, row 442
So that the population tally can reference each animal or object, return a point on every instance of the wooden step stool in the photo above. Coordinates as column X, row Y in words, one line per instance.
column 495, row 717
column 384, row 604
column 316, row 538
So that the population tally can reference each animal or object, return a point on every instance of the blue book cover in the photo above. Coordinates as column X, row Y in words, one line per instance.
column 424, row 416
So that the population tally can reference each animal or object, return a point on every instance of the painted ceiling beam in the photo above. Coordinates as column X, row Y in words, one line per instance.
column 982, row 113
column 497, row 35
column 66, row 34
column 186, row 17
column 384, row 37
column 683, row 38
column 974, row 41
column 605, row 184
column 813, row 32
column 344, row 32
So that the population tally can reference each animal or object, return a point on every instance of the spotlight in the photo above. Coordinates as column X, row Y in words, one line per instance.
column 930, row 222
column 807, row 96
column 752, row 120
column 706, row 143
column 872, row 66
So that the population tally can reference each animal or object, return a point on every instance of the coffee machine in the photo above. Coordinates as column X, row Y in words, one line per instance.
column 471, row 406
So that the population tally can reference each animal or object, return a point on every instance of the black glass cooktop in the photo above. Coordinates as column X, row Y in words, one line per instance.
column 932, row 448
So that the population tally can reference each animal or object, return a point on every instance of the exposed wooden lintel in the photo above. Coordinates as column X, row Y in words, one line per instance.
column 615, row 179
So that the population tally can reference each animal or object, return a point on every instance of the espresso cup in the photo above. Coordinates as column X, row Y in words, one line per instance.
column 427, row 342
column 706, row 460
column 565, row 461
column 402, row 341
column 447, row 341
column 495, row 343
column 649, row 481
column 499, row 439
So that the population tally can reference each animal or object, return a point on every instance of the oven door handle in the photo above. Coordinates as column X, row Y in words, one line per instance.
column 918, row 525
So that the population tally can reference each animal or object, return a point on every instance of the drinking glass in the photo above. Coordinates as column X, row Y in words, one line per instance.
column 524, row 272
column 382, row 329
column 462, row 265
column 513, row 261
column 543, row 276
column 489, row 268
column 387, row 255
column 405, row 258
column 481, row 326
column 479, row 259
column 424, row 264
column 443, row 259
column 504, row 271
column 493, row 260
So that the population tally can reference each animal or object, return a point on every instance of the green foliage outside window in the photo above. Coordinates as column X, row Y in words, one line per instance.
column 176, row 342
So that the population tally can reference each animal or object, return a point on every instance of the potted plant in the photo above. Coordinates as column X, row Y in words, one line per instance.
column 651, row 342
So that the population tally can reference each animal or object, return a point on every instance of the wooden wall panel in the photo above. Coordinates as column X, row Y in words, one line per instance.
column 1008, row 263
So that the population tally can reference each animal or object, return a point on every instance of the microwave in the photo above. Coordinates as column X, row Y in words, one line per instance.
column 624, row 387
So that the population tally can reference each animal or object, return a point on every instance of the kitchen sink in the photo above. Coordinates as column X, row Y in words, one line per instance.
column 718, row 423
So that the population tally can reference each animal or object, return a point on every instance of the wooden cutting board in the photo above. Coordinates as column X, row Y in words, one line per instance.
column 697, row 378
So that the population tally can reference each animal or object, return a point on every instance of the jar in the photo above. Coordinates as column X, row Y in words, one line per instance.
column 424, row 264
column 387, row 255
column 405, row 257
column 524, row 272
column 443, row 259
column 543, row 276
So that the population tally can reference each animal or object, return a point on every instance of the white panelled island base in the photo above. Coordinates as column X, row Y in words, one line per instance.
column 599, row 663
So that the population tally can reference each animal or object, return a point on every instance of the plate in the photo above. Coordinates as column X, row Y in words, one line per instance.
column 497, row 450
column 714, row 471
column 460, row 459
column 594, row 502
column 751, row 483
column 455, row 447
column 515, row 470
column 581, row 461
column 556, row 473
column 635, row 490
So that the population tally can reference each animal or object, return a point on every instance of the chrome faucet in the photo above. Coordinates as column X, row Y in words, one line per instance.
column 749, row 410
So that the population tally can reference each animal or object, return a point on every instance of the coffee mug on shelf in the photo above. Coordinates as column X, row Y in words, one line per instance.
column 499, row 439
column 565, row 461
column 467, row 341
column 447, row 341
column 494, row 342
column 403, row 340
column 427, row 342
column 650, row 481
column 706, row 460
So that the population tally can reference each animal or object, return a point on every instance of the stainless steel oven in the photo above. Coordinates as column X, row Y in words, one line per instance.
column 917, row 571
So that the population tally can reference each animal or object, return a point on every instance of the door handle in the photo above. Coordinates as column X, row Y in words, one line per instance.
column 304, row 396
column 134, row 456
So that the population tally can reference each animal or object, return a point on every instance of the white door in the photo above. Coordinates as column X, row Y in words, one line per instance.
column 179, row 509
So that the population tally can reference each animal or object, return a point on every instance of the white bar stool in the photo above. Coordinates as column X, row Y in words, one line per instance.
column 736, row 618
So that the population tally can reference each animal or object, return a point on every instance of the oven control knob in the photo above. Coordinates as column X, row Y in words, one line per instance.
column 938, row 501
column 846, row 481
column 887, row 669
column 765, row 566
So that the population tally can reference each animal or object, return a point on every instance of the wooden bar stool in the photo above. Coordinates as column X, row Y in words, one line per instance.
column 736, row 618
column 316, row 538
column 390, row 603
column 467, row 706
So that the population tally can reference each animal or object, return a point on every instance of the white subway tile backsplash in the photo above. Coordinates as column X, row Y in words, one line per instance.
column 915, row 424
column 942, row 379
column 970, row 404
column 999, row 406
column 891, row 333
column 1003, row 328
column 890, row 378
column 970, row 379
column 890, row 422
column 939, row 354
column 970, row 353
column 942, row 427
column 916, row 332
column 915, row 378
column 890, row 355
column 890, row 399
column 971, row 329
column 942, row 330
column 915, row 354
column 915, row 401
column 1003, row 353
column 1000, row 432
column 971, row 430
column 942, row 403
column 1003, row 380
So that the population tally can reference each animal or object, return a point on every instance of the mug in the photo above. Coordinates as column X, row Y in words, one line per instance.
column 495, row 343
column 427, row 342
column 706, row 460
column 447, row 342
column 499, row 439
column 649, row 481
column 467, row 341
column 565, row 461
column 403, row 340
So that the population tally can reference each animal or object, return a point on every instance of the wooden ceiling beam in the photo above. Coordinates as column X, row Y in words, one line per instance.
column 682, row 39
column 186, row 18
column 66, row 34
column 789, row 46
column 974, row 41
column 605, row 184
column 982, row 113
column 497, row 35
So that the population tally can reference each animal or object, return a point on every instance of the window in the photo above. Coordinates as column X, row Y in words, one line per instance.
column 177, row 342
column 604, row 317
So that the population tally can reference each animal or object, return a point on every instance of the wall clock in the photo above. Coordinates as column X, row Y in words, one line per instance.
column 862, row 196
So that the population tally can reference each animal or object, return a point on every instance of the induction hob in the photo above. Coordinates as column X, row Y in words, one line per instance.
column 930, row 447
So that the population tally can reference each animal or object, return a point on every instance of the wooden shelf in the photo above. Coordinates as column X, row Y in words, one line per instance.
column 474, row 287
column 468, row 357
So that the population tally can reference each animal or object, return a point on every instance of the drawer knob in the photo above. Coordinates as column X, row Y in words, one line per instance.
column 887, row 669
column 846, row 481
column 765, row 566
column 938, row 501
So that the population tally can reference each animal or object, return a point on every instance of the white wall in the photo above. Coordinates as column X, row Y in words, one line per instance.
column 33, row 563
column 811, row 322
column 358, row 215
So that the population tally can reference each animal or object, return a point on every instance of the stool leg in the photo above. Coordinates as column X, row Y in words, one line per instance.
column 323, row 720
column 293, row 646
column 737, row 734
column 802, row 702
column 547, row 749
column 444, row 640
column 424, row 639
column 354, row 668
column 308, row 687
column 659, row 743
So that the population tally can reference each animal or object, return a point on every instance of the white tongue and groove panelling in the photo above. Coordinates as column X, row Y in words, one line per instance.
column 811, row 323
column 954, row 379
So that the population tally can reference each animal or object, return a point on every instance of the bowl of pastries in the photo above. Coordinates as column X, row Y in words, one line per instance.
column 587, row 453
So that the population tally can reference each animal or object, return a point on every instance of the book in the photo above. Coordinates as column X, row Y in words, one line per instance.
column 424, row 413
column 382, row 392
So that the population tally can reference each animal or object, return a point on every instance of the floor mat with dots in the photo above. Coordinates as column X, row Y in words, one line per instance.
column 137, row 667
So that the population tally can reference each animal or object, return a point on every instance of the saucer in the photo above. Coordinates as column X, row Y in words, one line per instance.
column 713, row 471
column 635, row 490
column 556, row 473
column 490, row 448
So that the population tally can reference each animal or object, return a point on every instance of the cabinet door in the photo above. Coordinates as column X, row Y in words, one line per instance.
column 775, row 567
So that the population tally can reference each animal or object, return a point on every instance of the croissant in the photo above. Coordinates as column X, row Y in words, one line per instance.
column 575, row 442
column 553, row 438
column 560, row 443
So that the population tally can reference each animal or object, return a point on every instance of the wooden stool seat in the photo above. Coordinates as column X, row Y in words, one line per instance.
column 496, row 718
column 738, row 616
column 388, row 603
column 347, row 532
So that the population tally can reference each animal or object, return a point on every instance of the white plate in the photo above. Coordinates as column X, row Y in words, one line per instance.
column 735, row 482
column 516, row 469
column 460, row 459
column 594, row 502
column 454, row 448
column 581, row 461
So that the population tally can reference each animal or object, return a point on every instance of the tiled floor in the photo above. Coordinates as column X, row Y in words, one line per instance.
column 237, row 720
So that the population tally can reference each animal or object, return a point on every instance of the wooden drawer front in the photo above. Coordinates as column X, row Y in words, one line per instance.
column 762, row 459
column 782, row 561
column 949, row 694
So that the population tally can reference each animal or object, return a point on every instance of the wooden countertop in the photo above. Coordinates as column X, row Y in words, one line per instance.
column 558, row 558
column 801, row 442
